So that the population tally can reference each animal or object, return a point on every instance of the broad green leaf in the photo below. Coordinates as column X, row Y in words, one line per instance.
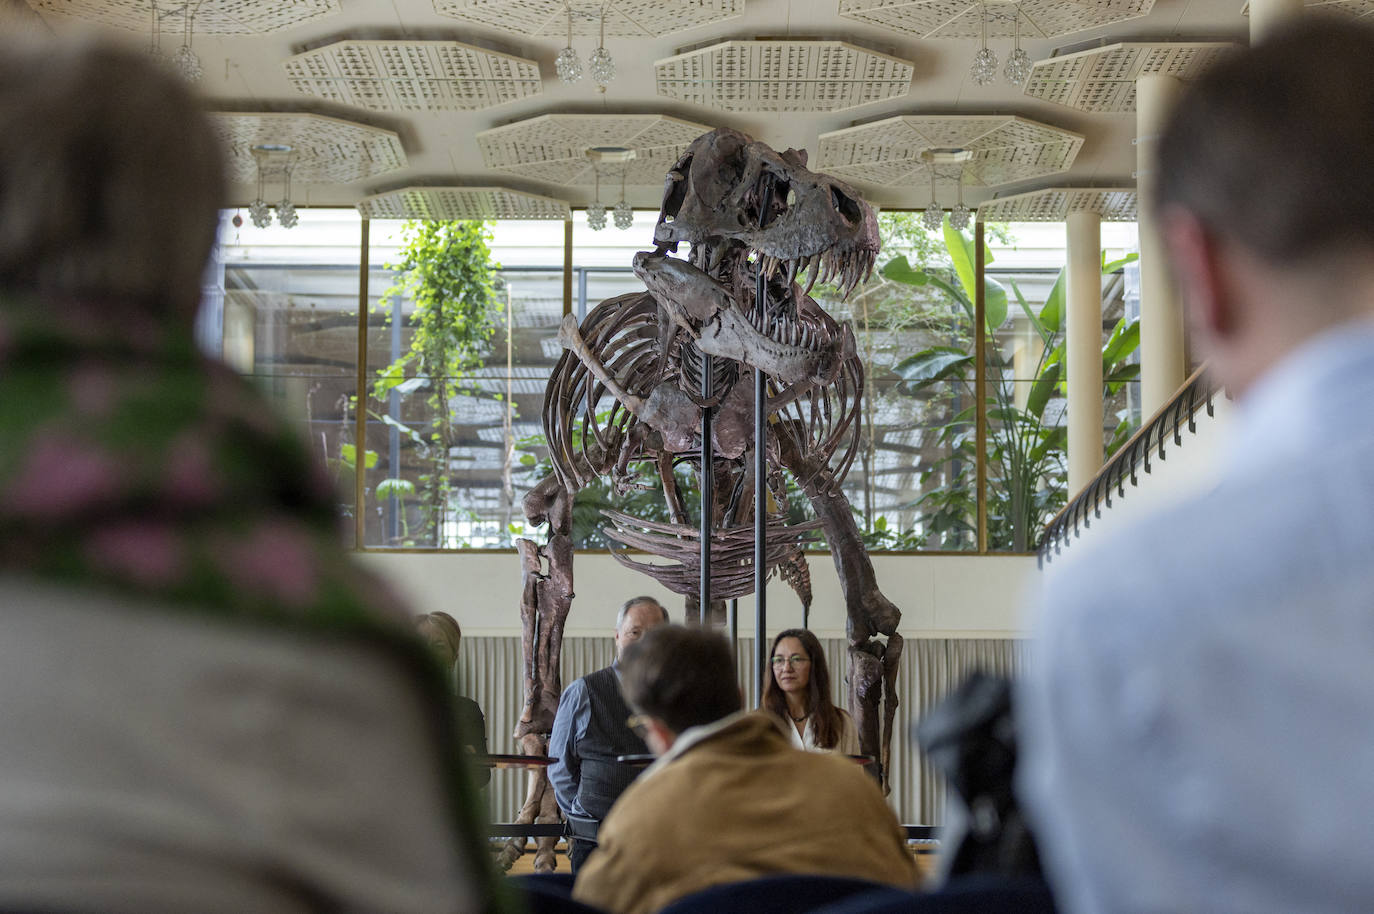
column 402, row 428
column 931, row 364
column 961, row 254
column 1052, row 315
column 1112, row 266
column 1125, row 339
column 393, row 487
column 1030, row 313
column 994, row 303
column 1042, row 390
column 960, row 249
column 899, row 270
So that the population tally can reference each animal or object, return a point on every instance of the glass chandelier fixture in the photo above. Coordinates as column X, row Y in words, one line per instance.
column 601, row 64
column 596, row 212
column 624, row 215
column 1019, row 63
column 186, row 60
column 258, row 211
column 155, row 36
column 567, row 64
column 933, row 217
column 286, row 212
column 984, row 69
column 959, row 216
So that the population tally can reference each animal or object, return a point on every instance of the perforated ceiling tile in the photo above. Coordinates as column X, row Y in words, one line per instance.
column 625, row 19
column 461, row 203
column 1352, row 8
column 220, row 17
column 963, row 18
column 1103, row 79
column 412, row 75
column 991, row 149
column 783, row 76
column 324, row 149
column 1053, row 204
column 553, row 147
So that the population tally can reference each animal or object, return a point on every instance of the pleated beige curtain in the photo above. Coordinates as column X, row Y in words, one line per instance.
column 488, row 671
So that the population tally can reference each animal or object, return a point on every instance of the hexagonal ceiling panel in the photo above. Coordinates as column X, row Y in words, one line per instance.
column 1103, row 79
column 223, row 17
column 625, row 19
column 783, row 76
column 1053, row 204
column 323, row 149
column 1352, row 8
column 990, row 149
column 461, row 203
column 412, row 75
column 553, row 147
column 964, row 18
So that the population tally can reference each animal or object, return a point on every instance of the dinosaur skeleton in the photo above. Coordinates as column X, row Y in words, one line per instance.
column 632, row 388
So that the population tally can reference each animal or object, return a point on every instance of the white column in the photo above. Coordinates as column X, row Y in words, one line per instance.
column 1265, row 14
column 1163, row 368
column 1083, row 346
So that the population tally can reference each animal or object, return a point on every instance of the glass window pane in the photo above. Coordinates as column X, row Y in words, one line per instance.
column 456, row 438
column 1027, row 442
column 290, row 319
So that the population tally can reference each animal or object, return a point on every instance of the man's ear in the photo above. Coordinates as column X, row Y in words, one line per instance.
column 1197, row 261
column 657, row 736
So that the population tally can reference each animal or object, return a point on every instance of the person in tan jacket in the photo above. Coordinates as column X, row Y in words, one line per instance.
column 729, row 798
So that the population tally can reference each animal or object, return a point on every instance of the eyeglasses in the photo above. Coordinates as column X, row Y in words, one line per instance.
column 792, row 662
column 637, row 723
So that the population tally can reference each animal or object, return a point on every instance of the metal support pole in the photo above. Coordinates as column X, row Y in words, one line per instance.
column 360, row 401
column 761, row 481
column 980, row 381
column 707, row 485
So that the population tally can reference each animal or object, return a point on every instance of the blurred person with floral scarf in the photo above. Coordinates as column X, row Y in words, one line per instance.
column 207, row 706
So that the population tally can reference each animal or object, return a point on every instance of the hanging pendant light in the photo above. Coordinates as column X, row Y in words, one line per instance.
column 258, row 211
column 286, row 211
column 984, row 69
column 933, row 216
column 959, row 216
column 155, row 36
column 1019, row 63
column 186, row 60
column 596, row 212
column 601, row 64
column 624, row 215
column 568, row 66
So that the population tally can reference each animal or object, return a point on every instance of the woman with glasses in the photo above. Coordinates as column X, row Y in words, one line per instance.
column 798, row 691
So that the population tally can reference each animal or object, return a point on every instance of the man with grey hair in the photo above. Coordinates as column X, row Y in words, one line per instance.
column 590, row 732
column 1198, row 714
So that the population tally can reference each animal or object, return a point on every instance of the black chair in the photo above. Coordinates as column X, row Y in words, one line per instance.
column 773, row 895
column 550, row 893
column 978, row 894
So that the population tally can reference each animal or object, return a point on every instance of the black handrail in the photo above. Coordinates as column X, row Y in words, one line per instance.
column 1196, row 393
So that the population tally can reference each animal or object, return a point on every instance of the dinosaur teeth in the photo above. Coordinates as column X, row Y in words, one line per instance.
column 814, row 267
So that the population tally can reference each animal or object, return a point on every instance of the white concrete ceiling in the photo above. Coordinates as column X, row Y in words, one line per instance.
column 248, row 74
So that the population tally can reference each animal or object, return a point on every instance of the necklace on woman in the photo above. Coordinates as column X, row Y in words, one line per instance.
column 800, row 719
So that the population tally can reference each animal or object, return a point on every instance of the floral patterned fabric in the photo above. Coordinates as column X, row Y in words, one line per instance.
column 131, row 464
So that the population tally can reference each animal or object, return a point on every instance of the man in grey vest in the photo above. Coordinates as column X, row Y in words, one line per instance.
column 591, row 731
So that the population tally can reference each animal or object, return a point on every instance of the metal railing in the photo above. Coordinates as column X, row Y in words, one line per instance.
column 1133, row 457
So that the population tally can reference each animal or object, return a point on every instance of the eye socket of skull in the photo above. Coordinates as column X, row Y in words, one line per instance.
column 850, row 210
column 675, row 189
